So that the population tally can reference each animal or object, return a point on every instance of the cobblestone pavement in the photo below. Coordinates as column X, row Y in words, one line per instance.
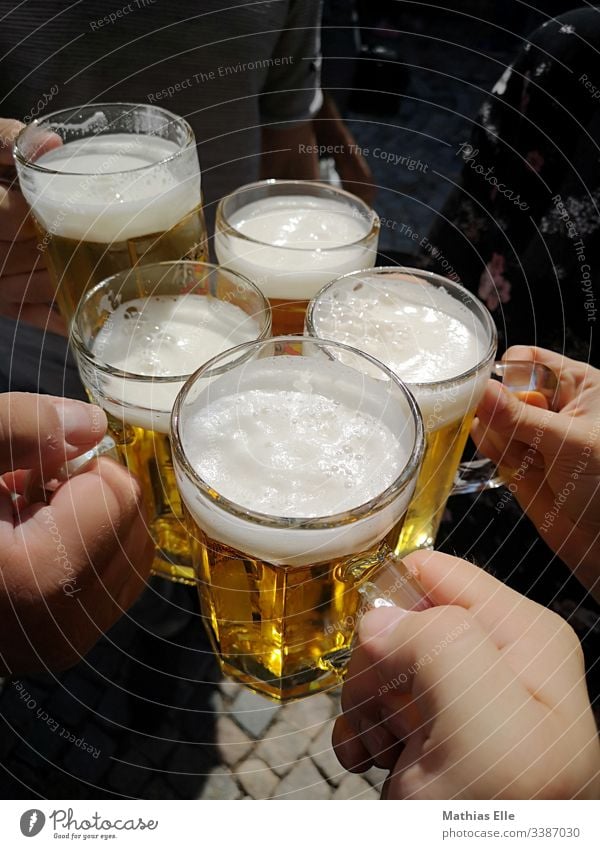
column 272, row 751
column 150, row 702
column 148, row 716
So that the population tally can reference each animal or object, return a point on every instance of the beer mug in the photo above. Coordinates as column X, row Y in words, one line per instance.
column 290, row 237
column 137, row 337
column 441, row 341
column 111, row 185
column 295, row 470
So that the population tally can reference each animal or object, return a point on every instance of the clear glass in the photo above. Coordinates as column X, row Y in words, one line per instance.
column 290, row 237
column 279, row 594
column 533, row 383
column 139, row 406
column 111, row 185
column 447, row 406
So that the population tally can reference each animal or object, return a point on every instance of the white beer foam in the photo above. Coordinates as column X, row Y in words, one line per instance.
column 421, row 332
column 315, row 225
column 162, row 336
column 104, row 197
column 286, row 439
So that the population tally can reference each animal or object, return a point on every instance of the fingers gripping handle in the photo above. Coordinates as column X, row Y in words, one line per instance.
column 383, row 581
column 393, row 585
column 533, row 383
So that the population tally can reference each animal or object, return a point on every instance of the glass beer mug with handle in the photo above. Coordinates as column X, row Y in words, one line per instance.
column 110, row 185
column 295, row 471
column 441, row 341
column 290, row 237
column 137, row 337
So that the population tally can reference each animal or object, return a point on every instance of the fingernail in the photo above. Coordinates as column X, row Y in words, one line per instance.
column 82, row 423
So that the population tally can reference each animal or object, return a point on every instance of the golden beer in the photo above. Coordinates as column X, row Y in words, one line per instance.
column 295, row 476
column 282, row 626
column 111, row 186
column 290, row 237
column 137, row 337
column 77, row 265
column 443, row 452
column 147, row 455
column 441, row 341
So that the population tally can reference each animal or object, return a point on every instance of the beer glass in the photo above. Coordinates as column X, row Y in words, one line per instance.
column 441, row 341
column 438, row 338
column 295, row 470
column 137, row 337
column 290, row 237
column 111, row 185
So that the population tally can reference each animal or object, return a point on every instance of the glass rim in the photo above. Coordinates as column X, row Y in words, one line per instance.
column 84, row 351
column 482, row 313
column 371, row 216
column 367, row 508
column 38, row 123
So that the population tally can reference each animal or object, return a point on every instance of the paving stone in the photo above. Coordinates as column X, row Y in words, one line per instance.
column 304, row 781
column 129, row 779
column 256, row 779
column 193, row 759
column 376, row 777
column 158, row 788
column 28, row 781
column 159, row 751
column 65, row 708
column 229, row 689
column 218, row 704
column 8, row 740
column 282, row 746
column 336, row 701
column 220, row 785
column 115, row 706
column 309, row 714
column 81, row 764
column 323, row 755
column 355, row 787
column 253, row 712
column 233, row 743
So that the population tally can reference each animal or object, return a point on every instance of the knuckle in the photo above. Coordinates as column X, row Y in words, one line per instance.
column 443, row 626
column 567, row 636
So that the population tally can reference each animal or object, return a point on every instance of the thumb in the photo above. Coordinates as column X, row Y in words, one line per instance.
column 511, row 419
column 41, row 432
column 9, row 130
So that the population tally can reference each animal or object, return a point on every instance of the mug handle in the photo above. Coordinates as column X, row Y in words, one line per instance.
column 42, row 491
column 382, row 580
column 391, row 584
column 533, row 383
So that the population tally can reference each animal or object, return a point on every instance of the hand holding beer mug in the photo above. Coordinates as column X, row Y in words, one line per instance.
column 290, row 237
column 26, row 291
column 441, row 340
column 137, row 337
column 119, row 184
column 295, row 470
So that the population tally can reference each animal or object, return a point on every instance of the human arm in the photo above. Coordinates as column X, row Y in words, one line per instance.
column 334, row 135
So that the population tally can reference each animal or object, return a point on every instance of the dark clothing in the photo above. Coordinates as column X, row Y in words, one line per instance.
column 536, row 269
column 227, row 71
column 522, row 231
